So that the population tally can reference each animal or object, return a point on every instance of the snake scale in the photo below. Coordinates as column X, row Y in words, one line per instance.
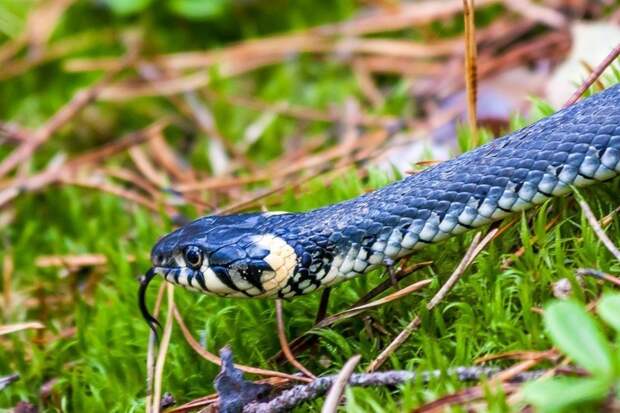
column 271, row 255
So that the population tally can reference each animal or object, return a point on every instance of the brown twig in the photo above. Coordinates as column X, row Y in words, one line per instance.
column 75, row 261
column 294, row 396
column 600, row 275
column 163, row 351
column 305, row 340
column 462, row 397
column 408, row 15
column 596, row 226
column 521, row 250
column 59, row 119
column 13, row 132
column 216, row 360
column 7, row 281
column 192, row 105
column 150, row 353
column 256, row 53
column 550, row 355
column 120, row 192
column 284, row 342
column 298, row 112
column 474, row 249
column 615, row 52
column 57, row 172
column 537, row 12
column 608, row 219
column 13, row 328
column 335, row 393
column 352, row 312
column 471, row 78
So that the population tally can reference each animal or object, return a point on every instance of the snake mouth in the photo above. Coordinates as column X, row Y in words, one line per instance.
column 182, row 276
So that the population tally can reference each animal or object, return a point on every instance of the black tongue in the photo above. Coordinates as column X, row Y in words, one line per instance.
column 150, row 320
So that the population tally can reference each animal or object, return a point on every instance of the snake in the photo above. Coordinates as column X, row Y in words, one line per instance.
column 283, row 255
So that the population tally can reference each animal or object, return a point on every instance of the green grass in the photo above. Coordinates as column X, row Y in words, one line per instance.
column 102, row 366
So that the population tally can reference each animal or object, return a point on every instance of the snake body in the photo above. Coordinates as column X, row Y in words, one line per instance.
column 274, row 255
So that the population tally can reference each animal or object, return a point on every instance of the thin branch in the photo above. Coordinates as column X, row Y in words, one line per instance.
column 538, row 13
column 305, row 340
column 294, row 396
column 59, row 119
column 8, row 267
column 13, row 132
column 163, row 351
column 475, row 248
column 461, row 397
column 351, row 312
column 150, row 353
column 216, row 360
column 615, row 52
column 54, row 173
column 600, row 233
column 14, row 328
column 599, row 274
column 8, row 380
column 471, row 68
column 335, row 393
column 388, row 283
column 284, row 342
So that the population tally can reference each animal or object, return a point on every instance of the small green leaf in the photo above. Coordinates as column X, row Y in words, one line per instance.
column 542, row 108
column 574, row 331
column 561, row 393
column 198, row 9
column 11, row 23
column 127, row 7
column 609, row 310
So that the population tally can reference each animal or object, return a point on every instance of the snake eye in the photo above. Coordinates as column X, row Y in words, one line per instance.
column 193, row 256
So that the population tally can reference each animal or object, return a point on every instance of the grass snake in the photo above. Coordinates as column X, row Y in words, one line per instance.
column 271, row 255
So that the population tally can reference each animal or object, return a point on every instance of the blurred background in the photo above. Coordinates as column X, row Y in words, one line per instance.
column 120, row 119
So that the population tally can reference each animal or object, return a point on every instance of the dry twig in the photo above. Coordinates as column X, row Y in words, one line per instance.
column 7, row 281
column 600, row 275
column 59, row 119
column 352, row 312
column 63, row 171
column 596, row 226
column 594, row 75
column 305, row 340
column 294, row 396
column 475, row 248
column 150, row 353
column 163, row 351
column 471, row 68
column 14, row 328
column 216, row 360
column 284, row 342
column 335, row 393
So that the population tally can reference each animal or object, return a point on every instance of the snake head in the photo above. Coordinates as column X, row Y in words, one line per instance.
column 226, row 255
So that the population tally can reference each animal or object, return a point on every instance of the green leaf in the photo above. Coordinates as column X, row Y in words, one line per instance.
column 609, row 310
column 542, row 108
column 574, row 331
column 11, row 22
column 198, row 9
column 562, row 393
column 127, row 7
